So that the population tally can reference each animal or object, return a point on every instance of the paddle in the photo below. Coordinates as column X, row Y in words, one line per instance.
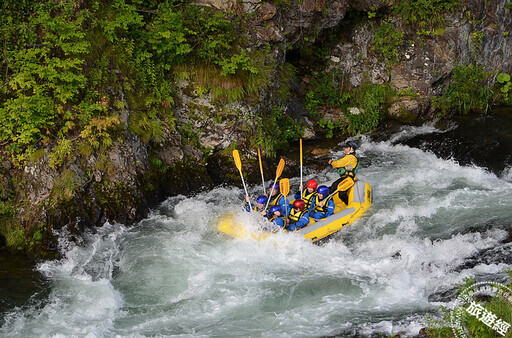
column 301, row 162
column 238, row 164
column 284, row 186
column 279, row 171
column 261, row 170
column 342, row 186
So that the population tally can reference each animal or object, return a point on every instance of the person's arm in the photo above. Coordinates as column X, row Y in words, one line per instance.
column 342, row 162
column 330, row 208
column 297, row 195
column 279, row 221
column 303, row 221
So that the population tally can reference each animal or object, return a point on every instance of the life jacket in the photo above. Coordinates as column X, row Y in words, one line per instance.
column 255, row 208
column 323, row 209
column 295, row 216
column 307, row 197
column 275, row 200
column 352, row 172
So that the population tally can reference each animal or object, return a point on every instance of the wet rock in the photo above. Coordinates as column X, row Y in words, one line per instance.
column 267, row 11
column 223, row 5
column 320, row 151
column 496, row 255
column 406, row 110
column 482, row 140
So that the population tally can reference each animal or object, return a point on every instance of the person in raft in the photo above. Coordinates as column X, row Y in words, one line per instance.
column 276, row 198
column 276, row 216
column 259, row 206
column 323, row 205
column 307, row 194
column 347, row 167
column 298, row 217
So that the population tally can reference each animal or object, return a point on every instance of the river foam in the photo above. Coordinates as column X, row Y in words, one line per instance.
column 174, row 274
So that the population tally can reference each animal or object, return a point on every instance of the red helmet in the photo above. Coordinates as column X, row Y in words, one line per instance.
column 312, row 184
column 299, row 204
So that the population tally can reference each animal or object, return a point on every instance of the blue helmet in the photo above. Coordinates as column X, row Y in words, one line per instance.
column 323, row 190
column 262, row 199
column 275, row 208
column 275, row 185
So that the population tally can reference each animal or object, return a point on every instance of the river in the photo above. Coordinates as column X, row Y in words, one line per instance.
column 433, row 223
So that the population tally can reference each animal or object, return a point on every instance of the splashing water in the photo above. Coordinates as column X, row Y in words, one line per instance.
column 175, row 274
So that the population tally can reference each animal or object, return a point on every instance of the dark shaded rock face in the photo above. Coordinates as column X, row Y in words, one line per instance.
column 485, row 141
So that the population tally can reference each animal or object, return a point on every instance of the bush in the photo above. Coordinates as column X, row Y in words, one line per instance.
column 506, row 86
column 387, row 40
column 427, row 15
column 468, row 91
column 371, row 101
column 276, row 130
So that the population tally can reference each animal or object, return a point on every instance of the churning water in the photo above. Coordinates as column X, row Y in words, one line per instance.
column 174, row 274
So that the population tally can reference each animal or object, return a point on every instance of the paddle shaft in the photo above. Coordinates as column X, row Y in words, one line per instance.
column 301, row 162
column 245, row 188
column 261, row 170
column 278, row 173
column 238, row 163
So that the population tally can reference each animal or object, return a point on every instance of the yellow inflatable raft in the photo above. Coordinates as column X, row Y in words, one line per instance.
column 359, row 200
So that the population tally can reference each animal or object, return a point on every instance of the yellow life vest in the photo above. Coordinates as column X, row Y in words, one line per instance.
column 295, row 216
column 307, row 197
column 349, row 169
column 323, row 208
column 275, row 200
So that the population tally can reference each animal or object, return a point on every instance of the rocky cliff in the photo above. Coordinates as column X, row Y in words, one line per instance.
column 122, row 182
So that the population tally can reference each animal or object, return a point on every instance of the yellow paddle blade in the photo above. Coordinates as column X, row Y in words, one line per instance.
column 280, row 168
column 236, row 156
column 284, row 186
column 345, row 184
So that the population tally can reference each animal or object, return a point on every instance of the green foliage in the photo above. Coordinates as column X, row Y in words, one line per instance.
column 439, row 327
column 407, row 92
column 477, row 38
column 7, row 211
column 189, row 133
column 371, row 101
column 62, row 151
column 276, row 130
column 427, row 15
column 159, row 165
column 508, row 5
column 43, row 63
column 147, row 126
column 72, row 66
column 473, row 326
column 387, row 40
column 64, row 187
column 467, row 92
column 506, row 87
column 324, row 92
column 329, row 126
column 499, row 307
column 286, row 75
column 16, row 239
column 240, row 61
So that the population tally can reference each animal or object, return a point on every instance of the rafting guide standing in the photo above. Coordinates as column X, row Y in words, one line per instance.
column 347, row 168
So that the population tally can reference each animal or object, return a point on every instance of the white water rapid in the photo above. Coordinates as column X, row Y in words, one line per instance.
column 174, row 274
